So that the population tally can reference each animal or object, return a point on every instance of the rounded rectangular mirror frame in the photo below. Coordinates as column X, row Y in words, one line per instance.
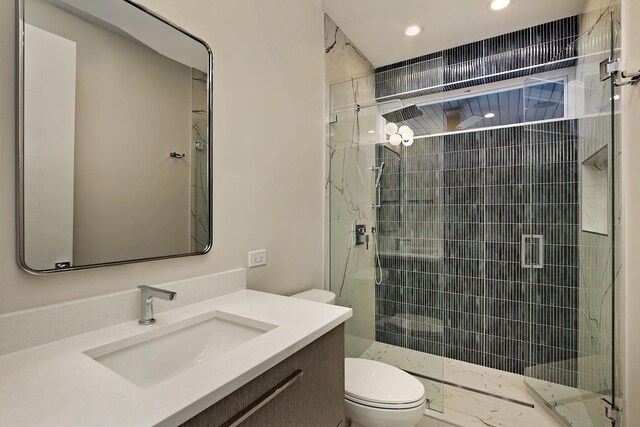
column 20, row 145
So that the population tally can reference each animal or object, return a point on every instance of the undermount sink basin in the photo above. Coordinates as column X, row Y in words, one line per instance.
column 162, row 353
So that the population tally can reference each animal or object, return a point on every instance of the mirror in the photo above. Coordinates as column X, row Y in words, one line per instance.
column 114, row 135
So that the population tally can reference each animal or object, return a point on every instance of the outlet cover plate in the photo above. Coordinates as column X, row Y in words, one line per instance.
column 257, row 258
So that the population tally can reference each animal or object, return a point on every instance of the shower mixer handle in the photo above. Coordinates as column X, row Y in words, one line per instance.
column 361, row 235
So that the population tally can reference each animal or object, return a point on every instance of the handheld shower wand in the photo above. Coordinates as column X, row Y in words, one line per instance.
column 378, row 271
column 378, row 171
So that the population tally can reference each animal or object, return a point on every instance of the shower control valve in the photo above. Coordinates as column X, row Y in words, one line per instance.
column 361, row 235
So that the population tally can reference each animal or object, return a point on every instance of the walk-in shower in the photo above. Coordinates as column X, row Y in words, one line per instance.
column 493, row 241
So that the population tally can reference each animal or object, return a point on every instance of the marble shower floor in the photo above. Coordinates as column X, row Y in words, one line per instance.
column 579, row 406
column 463, row 407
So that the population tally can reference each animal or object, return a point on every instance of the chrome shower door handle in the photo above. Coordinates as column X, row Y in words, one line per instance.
column 528, row 239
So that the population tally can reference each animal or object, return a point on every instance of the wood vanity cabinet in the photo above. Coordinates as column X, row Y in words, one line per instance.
column 304, row 390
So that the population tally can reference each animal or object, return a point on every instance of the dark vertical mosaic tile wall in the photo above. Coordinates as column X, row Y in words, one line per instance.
column 555, row 214
column 454, row 209
column 533, row 50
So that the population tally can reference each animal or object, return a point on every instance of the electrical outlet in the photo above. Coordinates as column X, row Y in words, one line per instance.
column 257, row 258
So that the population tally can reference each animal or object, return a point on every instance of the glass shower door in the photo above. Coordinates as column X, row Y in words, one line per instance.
column 351, row 155
column 371, row 186
column 567, row 245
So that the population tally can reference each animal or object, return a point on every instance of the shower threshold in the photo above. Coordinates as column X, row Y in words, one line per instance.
column 475, row 390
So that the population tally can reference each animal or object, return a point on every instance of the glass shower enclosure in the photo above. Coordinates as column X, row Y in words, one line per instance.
column 490, row 238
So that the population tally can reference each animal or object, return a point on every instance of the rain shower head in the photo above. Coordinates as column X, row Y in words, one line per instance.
column 403, row 114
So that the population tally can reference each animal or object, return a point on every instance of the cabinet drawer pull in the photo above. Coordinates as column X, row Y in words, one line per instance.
column 263, row 400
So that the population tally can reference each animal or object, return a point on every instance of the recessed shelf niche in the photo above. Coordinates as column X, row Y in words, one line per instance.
column 595, row 192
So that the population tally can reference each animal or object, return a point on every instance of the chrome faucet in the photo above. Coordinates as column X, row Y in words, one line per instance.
column 146, row 302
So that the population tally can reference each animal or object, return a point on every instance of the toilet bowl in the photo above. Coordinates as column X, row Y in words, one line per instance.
column 376, row 394
column 381, row 395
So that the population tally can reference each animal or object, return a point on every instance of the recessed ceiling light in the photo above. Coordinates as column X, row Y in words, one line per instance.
column 489, row 116
column 413, row 30
column 499, row 4
column 372, row 131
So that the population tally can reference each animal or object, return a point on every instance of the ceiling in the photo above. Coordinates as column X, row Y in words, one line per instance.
column 377, row 27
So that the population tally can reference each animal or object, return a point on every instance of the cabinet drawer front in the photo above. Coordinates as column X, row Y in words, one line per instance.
column 263, row 400
column 283, row 396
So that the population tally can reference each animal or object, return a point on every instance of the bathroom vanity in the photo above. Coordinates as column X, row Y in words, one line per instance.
column 305, row 389
column 216, row 355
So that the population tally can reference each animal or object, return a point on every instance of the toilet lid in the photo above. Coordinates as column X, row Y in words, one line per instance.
column 377, row 382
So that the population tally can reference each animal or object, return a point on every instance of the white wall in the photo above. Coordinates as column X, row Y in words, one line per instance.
column 631, row 201
column 268, row 153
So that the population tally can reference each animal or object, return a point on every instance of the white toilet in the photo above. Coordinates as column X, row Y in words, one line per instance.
column 376, row 394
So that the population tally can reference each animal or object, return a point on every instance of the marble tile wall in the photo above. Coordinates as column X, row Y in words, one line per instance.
column 596, row 298
column 343, row 60
column 453, row 214
column 349, row 183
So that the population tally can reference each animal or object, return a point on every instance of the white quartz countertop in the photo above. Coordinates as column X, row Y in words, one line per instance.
column 56, row 384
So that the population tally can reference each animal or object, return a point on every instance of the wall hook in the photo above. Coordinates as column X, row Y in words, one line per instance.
column 176, row 155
